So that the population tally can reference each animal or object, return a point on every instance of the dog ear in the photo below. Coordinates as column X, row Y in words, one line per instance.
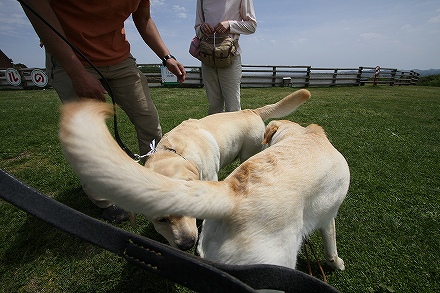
column 271, row 129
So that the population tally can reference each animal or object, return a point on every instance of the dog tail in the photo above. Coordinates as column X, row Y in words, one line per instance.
column 285, row 106
column 110, row 174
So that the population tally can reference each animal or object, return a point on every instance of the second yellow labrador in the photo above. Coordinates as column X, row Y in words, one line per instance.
column 199, row 148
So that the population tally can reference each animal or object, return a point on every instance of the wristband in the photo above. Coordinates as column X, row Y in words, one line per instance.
column 164, row 59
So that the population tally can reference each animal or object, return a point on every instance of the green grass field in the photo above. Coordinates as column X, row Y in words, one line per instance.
column 387, row 227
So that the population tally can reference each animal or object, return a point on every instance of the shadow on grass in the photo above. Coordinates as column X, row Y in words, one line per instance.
column 35, row 236
column 65, row 259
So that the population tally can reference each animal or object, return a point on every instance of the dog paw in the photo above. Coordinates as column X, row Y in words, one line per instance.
column 336, row 264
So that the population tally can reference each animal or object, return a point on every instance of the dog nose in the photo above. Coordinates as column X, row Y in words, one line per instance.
column 186, row 244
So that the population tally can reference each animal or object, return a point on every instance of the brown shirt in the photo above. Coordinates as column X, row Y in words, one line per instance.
column 96, row 27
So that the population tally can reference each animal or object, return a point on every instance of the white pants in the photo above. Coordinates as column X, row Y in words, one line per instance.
column 223, row 87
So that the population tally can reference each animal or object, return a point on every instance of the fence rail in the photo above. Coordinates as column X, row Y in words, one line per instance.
column 307, row 76
column 267, row 76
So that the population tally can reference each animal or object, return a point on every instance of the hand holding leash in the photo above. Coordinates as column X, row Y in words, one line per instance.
column 206, row 29
column 87, row 86
column 222, row 27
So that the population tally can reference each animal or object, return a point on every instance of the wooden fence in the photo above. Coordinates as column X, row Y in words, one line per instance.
column 268, row 76
column 307, row 76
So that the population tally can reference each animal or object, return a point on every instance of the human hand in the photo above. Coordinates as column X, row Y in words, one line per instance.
column 177, row 69
column 87, row 86
column 222, row 27
column 206, row 29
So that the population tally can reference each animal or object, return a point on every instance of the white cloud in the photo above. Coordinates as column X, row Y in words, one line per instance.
column 181, row 11
column 435, row 19
column 13, row 24
column 372, row 36
column 299, row 42
column 155, row 3
column 407, row 28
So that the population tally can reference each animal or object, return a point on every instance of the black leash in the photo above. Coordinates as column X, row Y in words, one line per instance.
column 180, row 267
column 107, row 84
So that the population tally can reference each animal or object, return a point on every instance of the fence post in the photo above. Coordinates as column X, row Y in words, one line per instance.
column 335, row 75
column 274, row 75
column 414, row 77
column 393, row 76
column 359, row 76
column 307, row 81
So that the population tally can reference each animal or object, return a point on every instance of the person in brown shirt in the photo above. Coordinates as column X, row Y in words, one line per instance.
column 96, row 29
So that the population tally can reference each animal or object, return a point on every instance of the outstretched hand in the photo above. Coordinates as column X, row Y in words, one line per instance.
column 177, row 69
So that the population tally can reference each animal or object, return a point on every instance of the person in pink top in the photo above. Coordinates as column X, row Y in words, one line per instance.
column 224, row 17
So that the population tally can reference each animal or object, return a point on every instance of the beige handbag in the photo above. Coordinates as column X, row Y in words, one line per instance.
column 217, row 51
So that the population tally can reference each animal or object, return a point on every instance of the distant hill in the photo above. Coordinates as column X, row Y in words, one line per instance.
column 427, row 72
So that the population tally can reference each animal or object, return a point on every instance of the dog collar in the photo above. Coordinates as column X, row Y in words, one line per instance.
column 173, row 151
column 154, row 148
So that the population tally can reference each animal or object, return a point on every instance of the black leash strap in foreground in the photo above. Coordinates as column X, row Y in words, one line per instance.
column 180, row 267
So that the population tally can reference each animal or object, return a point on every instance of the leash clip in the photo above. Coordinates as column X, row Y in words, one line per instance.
column 138, row 158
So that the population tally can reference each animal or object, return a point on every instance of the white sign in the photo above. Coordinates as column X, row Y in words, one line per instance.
column 39, row 77
column 13, row 77
column 167, row 76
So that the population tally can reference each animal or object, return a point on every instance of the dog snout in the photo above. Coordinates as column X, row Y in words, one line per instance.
column 187, row 243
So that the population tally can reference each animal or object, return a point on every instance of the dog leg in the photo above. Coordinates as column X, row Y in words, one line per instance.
column 328, row 234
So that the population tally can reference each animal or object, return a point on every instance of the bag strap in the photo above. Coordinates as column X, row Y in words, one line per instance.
column 180, row 267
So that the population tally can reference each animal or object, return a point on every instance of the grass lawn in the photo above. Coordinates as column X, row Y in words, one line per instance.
column 387, row 228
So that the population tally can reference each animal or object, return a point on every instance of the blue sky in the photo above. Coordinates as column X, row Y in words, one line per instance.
column 320, row 33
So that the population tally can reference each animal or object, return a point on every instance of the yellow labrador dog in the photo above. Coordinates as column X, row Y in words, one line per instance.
column 199, row 148
column 258, row 214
